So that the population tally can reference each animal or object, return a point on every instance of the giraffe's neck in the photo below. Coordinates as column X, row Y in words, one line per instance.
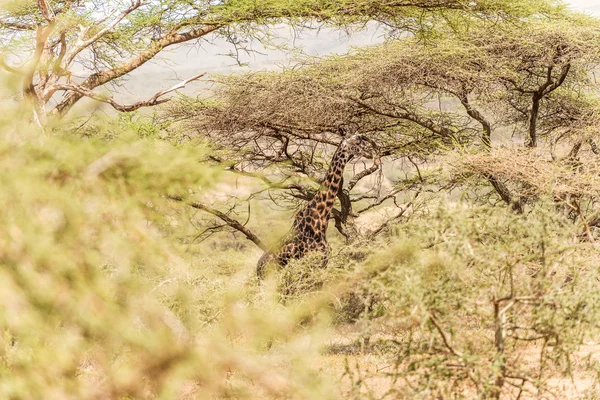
column 332, row 183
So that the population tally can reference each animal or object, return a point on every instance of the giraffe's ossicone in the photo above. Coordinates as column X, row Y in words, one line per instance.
column 309, row 230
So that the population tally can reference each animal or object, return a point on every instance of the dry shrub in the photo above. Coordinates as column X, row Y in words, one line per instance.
column 466, row 294
column 301, row 277
column 101, row 298
column 533, row 173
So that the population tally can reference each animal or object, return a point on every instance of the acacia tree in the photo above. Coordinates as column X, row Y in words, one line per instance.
column 44, row 42
column 417, row 100
column 509, row 116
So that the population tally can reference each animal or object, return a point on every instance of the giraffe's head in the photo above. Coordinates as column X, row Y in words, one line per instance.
column 358, row 146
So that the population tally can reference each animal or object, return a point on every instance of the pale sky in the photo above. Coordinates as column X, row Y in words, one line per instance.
column 185, row 61
column 589, row 6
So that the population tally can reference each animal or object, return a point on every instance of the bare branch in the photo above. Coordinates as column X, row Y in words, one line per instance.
column 478, row 116
column 445, row 338
column 103, row 77
column 594, row 146
column 380, row 201
column 46, row 11
column 561, row 79
column 153, row 101
column 548, row 87
column 423, row 122
column 83, row 44
column 505, row 195
column 19, row 26
column 381, row 227
column 376, row 165
column 228, row 220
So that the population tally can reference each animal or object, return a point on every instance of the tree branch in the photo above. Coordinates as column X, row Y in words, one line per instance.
column 426, row 123
column 478, row 116
column 366, row 172
column 384, row 225
column 504, row 193
column 594, row 146
column 561, row 79
column 380, row 201
column 446, row 339
column 548, row 87
column 29, row 92
column 103, row 77
column 7, row 67
column 228, row 220
column 82, row 44
column 47, row 13
column 153, row 101
column 19, row 26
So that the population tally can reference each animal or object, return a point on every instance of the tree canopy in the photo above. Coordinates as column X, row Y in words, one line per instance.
column 466, row 263
column 418, row 99
column 76, row 48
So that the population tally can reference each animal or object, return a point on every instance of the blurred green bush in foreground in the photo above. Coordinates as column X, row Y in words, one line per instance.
column 97, row 300
column 100, row 297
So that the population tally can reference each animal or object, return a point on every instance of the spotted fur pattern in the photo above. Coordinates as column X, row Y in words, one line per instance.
column 309, row 230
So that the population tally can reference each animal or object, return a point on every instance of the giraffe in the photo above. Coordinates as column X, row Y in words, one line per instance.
column 308, row 232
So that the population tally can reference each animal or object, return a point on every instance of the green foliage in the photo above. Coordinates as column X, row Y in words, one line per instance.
column 348, row 11
column 461, row 301
column 73, row 257
column 114, row 126
column 100, row 301
column 450, row 281
column 494, row 68
column 112, row 287
column 109, row 40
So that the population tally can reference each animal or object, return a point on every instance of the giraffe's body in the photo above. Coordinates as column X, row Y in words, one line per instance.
column 308, row 232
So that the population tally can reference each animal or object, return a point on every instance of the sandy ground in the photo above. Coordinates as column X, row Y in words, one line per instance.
column 343, row 363
column 345, row 353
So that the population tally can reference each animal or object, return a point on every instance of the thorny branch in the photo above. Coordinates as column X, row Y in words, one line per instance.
column 154, row 100
column 225, row 218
